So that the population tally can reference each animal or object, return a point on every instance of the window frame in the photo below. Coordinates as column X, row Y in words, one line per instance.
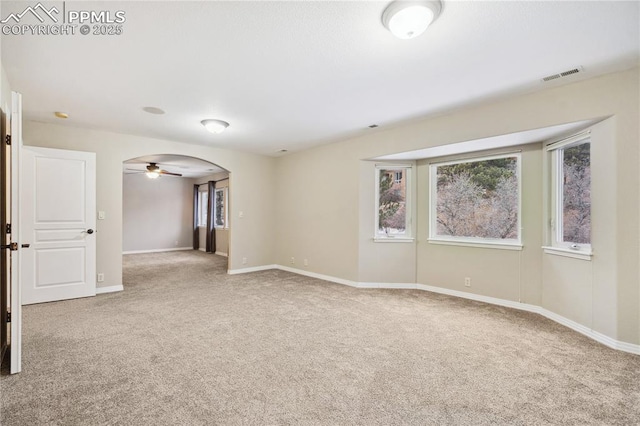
column 407, row 236
column 556, row 242
column 225, row 210
column 202, row 208
column 495, row 243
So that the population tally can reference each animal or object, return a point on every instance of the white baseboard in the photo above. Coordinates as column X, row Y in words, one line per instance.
column 202, row 249
column 110, row 289
column 252, row 269
column 595, row 335
column 582, row 329
column 318, row 276
column 399, row 286
column 220, row 253
column 157, row 250
column 480, row 298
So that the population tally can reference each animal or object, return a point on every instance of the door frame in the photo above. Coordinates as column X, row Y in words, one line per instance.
column 16, row 299
column 5, row 190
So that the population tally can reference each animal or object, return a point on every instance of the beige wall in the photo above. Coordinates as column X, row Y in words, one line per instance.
column 157, row 213
column 587, row 291
column 392, row 262
column 505, row 274
column 325, row 208
column 317, row 210
column 319, row 203
column 253, row 235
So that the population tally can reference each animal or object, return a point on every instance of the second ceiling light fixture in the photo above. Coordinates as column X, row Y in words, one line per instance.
column 408, row 19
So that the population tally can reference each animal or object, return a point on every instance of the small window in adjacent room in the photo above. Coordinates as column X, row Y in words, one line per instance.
column 203, row 199
column 392, row 202
column 476, row 201
column 571, row 193
column 220, row 211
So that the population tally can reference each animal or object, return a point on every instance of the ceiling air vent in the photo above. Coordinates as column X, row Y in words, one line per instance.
column 562, row 74
column 573, row 71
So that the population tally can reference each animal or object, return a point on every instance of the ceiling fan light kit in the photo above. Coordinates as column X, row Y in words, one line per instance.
column 408, row 19
column 215, row 126
column 153, row 171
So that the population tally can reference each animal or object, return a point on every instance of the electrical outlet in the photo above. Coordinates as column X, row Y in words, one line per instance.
column 100, row 277
column 244, row 260
column 467, row 282
column 306, row 262
column 102, row 215
column 176, row 243
column 293, row 260
column 240, row 214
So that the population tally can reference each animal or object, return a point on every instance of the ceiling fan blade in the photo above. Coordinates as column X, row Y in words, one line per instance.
column 164, row 172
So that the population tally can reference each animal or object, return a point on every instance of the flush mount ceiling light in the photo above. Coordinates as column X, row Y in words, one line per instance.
column 215, row 126
column 408, row 19
column 61, row 114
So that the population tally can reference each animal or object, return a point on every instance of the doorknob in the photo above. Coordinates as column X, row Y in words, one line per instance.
column 89, row 231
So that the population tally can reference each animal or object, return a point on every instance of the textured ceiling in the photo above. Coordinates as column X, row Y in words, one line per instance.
column 290, row 75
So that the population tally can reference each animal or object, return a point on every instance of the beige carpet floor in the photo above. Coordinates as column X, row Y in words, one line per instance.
column 186, row 344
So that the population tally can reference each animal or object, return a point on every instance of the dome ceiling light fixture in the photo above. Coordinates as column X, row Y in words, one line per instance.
column 215, row 126
column 408, row 19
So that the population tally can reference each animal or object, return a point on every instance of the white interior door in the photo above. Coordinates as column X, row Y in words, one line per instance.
column 58, row 213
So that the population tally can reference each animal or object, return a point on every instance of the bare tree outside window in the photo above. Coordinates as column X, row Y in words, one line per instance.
column 576, row 194
column 478, row 199
column 219, row 222
column 392, row 218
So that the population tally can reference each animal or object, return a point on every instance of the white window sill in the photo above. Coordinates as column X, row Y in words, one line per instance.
column 560, row 251
column 393, row 240
column 496, row 246
column 202, row 226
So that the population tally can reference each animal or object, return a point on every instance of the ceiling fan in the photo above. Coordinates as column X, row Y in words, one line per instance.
column 154, row 171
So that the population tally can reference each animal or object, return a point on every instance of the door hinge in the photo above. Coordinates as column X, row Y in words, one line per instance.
column 10, row 246
column 8, row 316
column 7, row 228
column 7, row 139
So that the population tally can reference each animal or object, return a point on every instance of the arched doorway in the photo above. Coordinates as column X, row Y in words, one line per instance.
column 175, row 203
